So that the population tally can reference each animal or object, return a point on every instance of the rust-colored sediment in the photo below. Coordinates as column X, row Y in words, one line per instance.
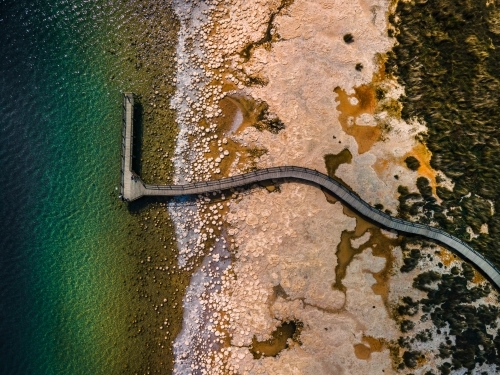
column 423, row 155
column 382, row 165
column 245, row 156
column 446, row 257
column 478, row 278
column 249, row 108
column 364, row 352
column 229, row 109
column 381, row 247
column 365, row 136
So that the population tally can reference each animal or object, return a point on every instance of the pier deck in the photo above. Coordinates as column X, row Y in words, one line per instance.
column 131, row 187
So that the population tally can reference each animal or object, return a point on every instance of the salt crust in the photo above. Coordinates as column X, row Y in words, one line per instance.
column 297, row 252
column 287, row 238
column 357, row 242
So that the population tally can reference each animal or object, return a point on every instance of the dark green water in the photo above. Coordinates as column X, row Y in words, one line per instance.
column 63, row 301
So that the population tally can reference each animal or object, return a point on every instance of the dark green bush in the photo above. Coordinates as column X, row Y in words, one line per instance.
column 444, row 193
column 407, row 306
column 424, row 187
column 348, row 38
column 445, row 368
column 423, row 280
column 411, row 261
column 444, row 351
column 468, row 271
column 450, row 304
column 410, row 358
column 424, row 336
column 412, row 163
column 406, row 326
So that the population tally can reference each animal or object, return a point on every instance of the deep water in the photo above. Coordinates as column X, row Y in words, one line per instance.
column 63, row 303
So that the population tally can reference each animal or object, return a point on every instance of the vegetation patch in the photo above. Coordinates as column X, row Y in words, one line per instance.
column 412, row 163
column 447, row 59
column 456, row 307
column 348, row 38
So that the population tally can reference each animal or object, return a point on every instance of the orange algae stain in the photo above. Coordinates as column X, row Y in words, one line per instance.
column 381, row 247
column 375, row 344
column 423, row 155
column 446, row 257
column 345, row 252
column 478, row 278
column 239, row 112
column 422, row 360
column 381, row 166
column 228, row 86
column 229, row 110
column 365, row 136
column 237, row 117
column 363, row 351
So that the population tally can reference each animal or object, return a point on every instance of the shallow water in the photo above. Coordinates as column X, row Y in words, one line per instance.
column 64, row 301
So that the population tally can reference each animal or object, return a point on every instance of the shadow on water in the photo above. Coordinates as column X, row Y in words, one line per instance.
column 138, row 136
column 143, row 203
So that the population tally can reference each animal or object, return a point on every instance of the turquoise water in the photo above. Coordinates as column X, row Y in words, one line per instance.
column 63, row 302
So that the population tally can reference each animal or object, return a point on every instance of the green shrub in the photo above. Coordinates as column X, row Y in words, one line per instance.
column 412, row 163
column 424, row 336
column 424, row 187
column 410, row 358
column 406, row 326
column 348, row 38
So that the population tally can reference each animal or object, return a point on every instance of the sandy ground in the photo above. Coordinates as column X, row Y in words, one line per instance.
column 272, row 255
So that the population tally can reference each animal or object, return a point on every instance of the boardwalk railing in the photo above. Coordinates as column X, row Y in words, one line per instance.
column 134, row 188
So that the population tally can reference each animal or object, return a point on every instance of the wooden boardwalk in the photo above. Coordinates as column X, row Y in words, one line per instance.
column 129, row 188
column 132, row 187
